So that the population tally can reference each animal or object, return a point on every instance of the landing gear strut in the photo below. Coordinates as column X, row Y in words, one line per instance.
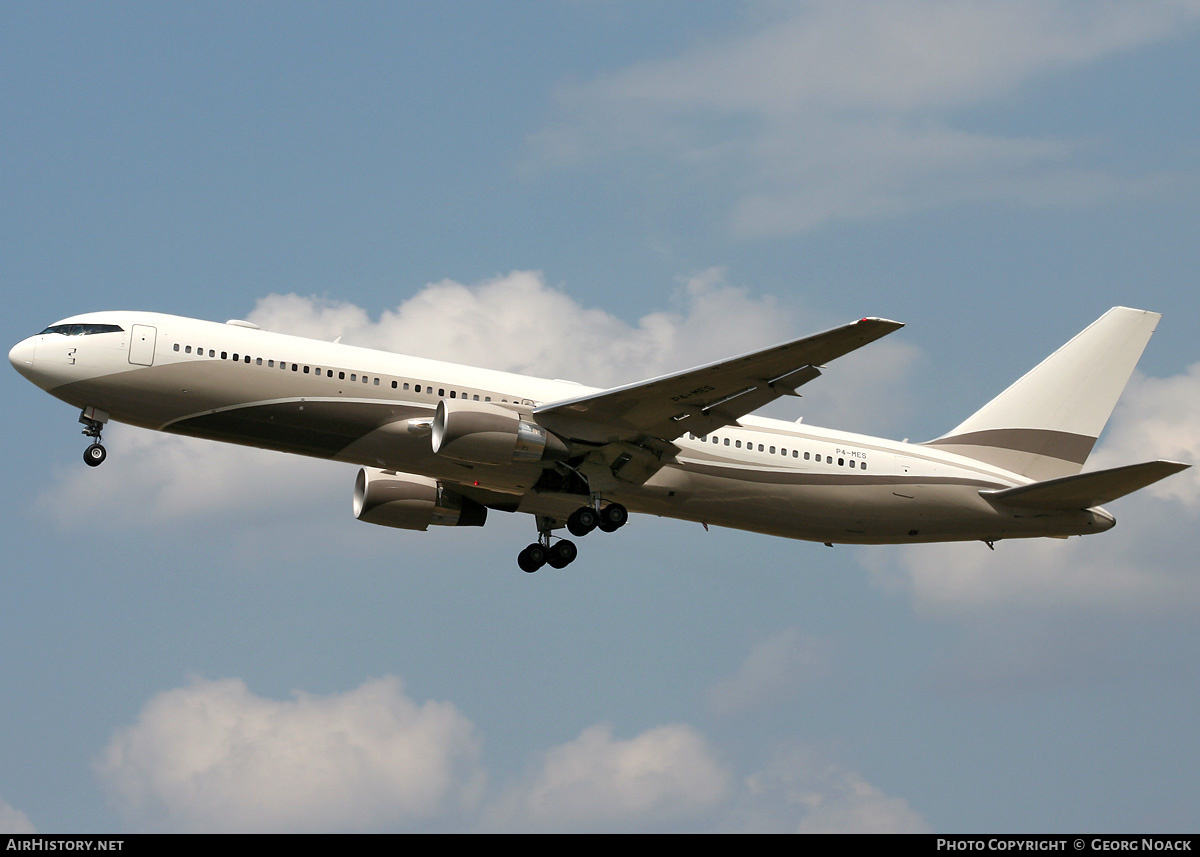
column 95, row 454
column 558, row 554
column 582, row 521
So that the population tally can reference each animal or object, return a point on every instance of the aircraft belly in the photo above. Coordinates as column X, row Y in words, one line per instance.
column 877, row 509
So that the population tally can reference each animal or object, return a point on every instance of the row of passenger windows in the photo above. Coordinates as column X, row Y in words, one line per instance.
column 342, row 375
column 854, row 463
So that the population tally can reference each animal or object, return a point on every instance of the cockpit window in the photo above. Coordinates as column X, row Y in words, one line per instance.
column 83, row 329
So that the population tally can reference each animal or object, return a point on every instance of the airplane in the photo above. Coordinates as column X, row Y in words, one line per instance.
column 440, row 443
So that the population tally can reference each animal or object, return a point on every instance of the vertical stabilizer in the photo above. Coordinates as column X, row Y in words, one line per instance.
column 1045, row 425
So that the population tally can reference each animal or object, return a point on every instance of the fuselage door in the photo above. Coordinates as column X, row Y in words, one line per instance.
column 141, row 344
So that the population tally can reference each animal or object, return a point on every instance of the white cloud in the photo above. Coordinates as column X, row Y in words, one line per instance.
column 161, row 477
column 835, row 110
column 1159, row 418
column 667, row 774
column 212, row 756
column 1145, row 565
column 803, row 792
column 517, row 323
column 13, row 821
column 773, row 671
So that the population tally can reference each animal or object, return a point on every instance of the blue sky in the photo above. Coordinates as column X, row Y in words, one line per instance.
column 195, row 637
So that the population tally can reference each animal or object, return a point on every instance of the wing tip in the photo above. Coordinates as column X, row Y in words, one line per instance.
column 874, row 321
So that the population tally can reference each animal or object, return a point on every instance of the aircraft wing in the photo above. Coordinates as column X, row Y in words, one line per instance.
column 705, row 398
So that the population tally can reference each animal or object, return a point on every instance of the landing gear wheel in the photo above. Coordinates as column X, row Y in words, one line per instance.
column 613, row 517
column 94, row 455
column 562, row 554
column 582, row 521
column 532, row 558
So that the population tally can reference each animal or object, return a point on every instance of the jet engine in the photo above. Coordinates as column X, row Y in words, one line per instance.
column 411, row 502
column 484, row 433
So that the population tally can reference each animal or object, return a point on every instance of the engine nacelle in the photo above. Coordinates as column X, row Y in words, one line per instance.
column 485, row 433
column 411, row 502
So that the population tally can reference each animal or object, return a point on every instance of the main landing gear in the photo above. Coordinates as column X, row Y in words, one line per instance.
column 561, row 553
column 95, row 454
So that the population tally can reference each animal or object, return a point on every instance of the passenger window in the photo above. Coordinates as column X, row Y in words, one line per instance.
column 305, row 370
column 376, row 382
column 224, row 355
column 829, row 459
column 258, row 361
column 176, row 347
column 806, row 456
column 841, row 462
column 851, row 463
column 738, row 444
column 727, row 441
column 187, row 350
column 452, row 394
column 863, row 466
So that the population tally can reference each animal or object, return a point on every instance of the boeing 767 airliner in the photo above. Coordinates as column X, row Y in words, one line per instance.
column 441, row 443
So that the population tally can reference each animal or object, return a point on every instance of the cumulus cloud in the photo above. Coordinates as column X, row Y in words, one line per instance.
column 1146, row 565
column 518, row 323
column 1159, row 418
column 213, row 756
column 13, row 821
column 166, row 477
column 666, row 774
column 802, row 791
column 774, row 670
column 846, row 110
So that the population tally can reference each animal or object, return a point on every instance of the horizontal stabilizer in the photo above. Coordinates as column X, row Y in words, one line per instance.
column 1085, row 490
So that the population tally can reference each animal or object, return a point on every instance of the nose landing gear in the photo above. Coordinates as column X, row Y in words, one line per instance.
column 93, row 423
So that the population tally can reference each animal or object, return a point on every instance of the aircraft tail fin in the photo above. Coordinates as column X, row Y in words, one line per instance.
column 1045, row 425
column 1085, row 490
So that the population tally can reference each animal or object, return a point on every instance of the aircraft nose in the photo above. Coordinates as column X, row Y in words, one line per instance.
column 21, row 355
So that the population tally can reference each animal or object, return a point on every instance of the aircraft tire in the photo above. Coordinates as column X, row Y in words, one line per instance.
column 613, row 517
column 532, row 558
column 582, row 521
column 562, row 554
column 94, row 455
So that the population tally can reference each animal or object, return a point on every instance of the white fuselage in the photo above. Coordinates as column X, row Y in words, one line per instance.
column 248, row 386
